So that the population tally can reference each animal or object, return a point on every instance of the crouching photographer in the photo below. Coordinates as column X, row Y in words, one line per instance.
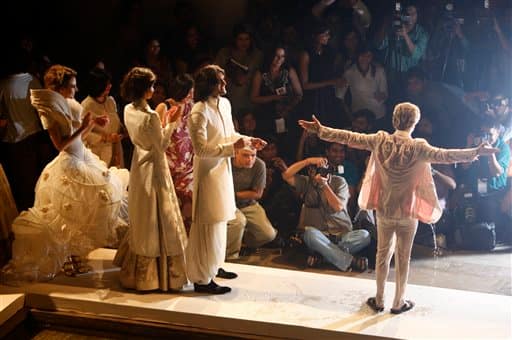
column 325, row 224
column 482, row 190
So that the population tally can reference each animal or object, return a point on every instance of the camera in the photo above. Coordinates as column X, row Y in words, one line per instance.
column 322, row 171
column 450, row 20
column 399, row 18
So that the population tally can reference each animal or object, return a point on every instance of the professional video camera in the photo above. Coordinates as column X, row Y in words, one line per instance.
column 399, row 17
column 484, row 17
column 449, row 18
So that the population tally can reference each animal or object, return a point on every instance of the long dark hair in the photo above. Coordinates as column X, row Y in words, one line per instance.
column 97, row 81
column 205, row 82
column 269, row 57
column 180, row 86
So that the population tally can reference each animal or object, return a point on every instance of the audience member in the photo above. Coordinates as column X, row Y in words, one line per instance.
column 26, row 147
column 251, row 224
column 276, row 91
column 325, row 222
column 367, row 84
column 278, row 199
column 240, row 60
column 404, row 45
column 320, row 71
column 338, row 165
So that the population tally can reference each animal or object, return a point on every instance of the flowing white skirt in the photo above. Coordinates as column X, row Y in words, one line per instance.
column 80, row 205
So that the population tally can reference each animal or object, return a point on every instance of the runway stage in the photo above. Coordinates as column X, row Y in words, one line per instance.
column 266, row 303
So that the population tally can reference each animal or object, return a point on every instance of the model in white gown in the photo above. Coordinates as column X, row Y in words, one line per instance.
column 78, row 200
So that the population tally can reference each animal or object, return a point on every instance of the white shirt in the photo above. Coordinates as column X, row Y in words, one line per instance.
column 364, row 88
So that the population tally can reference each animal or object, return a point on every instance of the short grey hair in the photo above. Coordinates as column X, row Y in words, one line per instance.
column 405, row 116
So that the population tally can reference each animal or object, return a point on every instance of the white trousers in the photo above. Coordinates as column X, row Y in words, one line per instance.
column 205, row 251
column 389, row 232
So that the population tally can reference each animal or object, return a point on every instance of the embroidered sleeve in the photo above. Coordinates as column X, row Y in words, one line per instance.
column 353, row 139
column 439, row 155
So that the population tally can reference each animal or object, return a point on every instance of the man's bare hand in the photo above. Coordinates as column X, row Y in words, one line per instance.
column 311, row 127
column 258, row 143
column 485, row 149
column 318, row 161
column 241, row 143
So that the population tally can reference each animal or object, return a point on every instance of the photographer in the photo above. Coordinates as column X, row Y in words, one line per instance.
column 486, row 179
column 447, row 49
column 404, row 46
column 325, row 222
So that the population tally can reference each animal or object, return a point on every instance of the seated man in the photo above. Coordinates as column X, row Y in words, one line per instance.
column 251, row 223
column 324, row 216
column 340, row 166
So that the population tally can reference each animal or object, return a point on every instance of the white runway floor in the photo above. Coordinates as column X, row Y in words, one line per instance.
column 277, row 303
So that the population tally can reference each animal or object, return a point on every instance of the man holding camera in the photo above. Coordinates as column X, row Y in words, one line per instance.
column 487, row 179
column 324, row 220
column 405, row 46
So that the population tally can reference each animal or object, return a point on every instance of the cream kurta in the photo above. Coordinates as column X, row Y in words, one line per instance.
column 154, row 210
column 398, row 182
column 213, row 136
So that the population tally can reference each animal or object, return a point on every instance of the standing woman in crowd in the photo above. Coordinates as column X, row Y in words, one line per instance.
column 104, row 141
column 320, row 73
column 276, row 91
column 151, row 255
column 77, row 198
column 180, row 152
column 240, row 61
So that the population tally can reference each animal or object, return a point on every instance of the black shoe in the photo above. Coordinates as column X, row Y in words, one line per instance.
column 211, row 288
column 226, row 275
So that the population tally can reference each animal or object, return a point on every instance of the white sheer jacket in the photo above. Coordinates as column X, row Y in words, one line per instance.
column 398, row 181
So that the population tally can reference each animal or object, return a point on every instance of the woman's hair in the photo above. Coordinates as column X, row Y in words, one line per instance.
column 269, row 57
column 205, row 82
column 405, row 116
column 180, row 86
column 243, row 28
column 58, row 77
column 97, row 81
column 136, row 82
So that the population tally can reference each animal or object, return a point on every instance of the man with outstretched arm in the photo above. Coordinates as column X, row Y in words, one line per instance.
column 398, row 184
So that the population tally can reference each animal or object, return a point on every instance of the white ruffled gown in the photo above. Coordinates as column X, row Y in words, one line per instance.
column 79, row 202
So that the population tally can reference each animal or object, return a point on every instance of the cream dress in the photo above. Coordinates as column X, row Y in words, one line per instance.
column 79, row 202
column 152, row 254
